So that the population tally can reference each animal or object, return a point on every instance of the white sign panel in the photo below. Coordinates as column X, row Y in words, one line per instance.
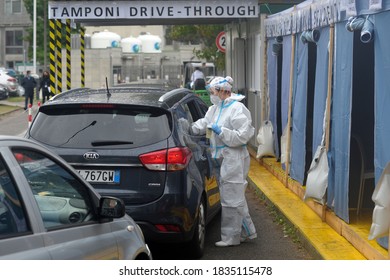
column 152, row 9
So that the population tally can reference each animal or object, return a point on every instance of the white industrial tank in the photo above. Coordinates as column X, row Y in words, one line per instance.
column 105, row 39
column 131, row 45
column 150, row 43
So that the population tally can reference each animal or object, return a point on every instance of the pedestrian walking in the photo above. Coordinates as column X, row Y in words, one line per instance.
column 29, row 84
column 231, row 124
column 45, row 87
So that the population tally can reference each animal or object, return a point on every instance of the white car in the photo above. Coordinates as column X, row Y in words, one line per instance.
column 10, row 82
column 49, row 212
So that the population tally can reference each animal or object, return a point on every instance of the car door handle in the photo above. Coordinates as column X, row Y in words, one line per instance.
column 130, row 228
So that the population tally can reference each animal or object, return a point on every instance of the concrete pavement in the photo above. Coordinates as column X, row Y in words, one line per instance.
column 319, row 228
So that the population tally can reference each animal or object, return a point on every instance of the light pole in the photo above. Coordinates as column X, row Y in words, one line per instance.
column 24, row 59
column 35, row 35
column 45, row 34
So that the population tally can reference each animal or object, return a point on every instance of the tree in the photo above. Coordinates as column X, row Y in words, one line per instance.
column 41, row 7
column 42, row 29
column 204, row 35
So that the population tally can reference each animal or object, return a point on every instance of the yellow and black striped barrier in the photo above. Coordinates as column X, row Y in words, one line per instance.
column 52, row 55
column 68, row 56
column 82, row 55
column 59, row 54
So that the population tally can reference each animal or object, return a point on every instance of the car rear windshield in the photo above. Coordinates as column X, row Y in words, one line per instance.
column 92, row 126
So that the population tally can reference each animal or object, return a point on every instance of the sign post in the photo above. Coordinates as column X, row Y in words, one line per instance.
column 220, row 41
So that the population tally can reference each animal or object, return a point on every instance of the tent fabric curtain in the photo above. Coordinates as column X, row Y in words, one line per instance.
column 382, row 98
column 338, row 183
column 287, row 46
column 382, row 93
column 299, row 112
column 321, row 85
column 272, row 73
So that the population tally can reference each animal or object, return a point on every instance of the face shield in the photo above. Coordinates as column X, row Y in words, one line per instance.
column 221, row 84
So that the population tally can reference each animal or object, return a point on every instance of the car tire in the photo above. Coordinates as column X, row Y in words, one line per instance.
column 196, row 245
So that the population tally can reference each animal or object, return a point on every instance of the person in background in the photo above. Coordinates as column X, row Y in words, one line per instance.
column 45, row 86
column 29, row 84
column 198, row 81
column 231, row 124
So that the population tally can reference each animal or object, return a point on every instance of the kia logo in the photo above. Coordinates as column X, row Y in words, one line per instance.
column 91, row 155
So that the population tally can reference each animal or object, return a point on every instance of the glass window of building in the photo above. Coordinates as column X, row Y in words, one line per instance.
column 13, row 7
column 14, row 42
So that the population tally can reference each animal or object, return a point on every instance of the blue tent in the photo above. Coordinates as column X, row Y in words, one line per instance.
column 355, row 97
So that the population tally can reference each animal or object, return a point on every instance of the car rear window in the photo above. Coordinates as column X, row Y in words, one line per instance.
column 92, row 126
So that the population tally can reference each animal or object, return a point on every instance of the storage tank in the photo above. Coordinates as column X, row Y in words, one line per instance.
column 131, row 45
column 105, row 39
column 150, row 43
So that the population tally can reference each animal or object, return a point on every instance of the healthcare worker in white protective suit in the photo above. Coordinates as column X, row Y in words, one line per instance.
column 232, row 128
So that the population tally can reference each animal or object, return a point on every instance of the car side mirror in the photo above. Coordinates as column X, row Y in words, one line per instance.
column 111, row 207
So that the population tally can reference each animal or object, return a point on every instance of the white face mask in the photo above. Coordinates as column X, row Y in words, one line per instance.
column 215, row 99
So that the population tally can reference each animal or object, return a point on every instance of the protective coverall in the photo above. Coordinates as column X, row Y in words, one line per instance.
column 232, row 160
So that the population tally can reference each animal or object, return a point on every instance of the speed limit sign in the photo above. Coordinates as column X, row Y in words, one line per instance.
column 220, row 41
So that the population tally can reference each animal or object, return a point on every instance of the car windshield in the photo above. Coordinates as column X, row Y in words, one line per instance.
column 91, row 127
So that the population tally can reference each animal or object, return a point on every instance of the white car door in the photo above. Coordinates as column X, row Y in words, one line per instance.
column 68, row 210
column 19, row 235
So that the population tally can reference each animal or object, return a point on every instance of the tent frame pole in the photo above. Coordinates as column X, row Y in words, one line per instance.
column 328, row 106
column 288, row 140
column 264, row 95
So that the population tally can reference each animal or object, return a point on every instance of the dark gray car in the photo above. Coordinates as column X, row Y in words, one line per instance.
column 48, row 211
column 127, row 142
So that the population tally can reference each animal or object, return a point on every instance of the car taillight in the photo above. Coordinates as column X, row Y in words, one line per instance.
column 168, row 228
column 167, row 160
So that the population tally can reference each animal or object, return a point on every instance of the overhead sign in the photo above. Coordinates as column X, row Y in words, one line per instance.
column 220, row 41
column 152, row 9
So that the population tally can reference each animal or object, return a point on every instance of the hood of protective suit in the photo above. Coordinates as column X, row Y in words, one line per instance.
column 234, row 96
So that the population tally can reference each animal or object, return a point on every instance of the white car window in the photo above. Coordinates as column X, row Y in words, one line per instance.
column 61, row 197
column 12, row 214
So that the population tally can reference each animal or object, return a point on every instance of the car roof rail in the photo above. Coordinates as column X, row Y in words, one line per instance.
column 176, row 94
column 73, row 90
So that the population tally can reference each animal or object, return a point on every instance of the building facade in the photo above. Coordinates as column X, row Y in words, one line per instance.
column 14, row 22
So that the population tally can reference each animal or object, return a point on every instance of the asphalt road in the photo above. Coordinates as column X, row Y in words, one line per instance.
column 272, row 242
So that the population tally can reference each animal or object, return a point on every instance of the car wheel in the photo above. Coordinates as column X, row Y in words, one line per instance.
column 196, row 246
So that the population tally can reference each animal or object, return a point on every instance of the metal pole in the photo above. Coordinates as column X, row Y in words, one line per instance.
column 35, row 35
column 45, row 33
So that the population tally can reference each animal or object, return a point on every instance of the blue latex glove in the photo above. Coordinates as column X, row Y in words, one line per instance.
column 216, row 129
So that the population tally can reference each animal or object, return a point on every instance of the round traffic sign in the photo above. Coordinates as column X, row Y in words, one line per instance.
column 220, row 41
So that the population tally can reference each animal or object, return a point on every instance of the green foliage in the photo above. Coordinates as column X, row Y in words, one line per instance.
column 41, row 5
column 204, row 35
column 42, row 19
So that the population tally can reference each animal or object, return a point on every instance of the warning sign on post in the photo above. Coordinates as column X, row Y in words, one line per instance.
column 221, row 41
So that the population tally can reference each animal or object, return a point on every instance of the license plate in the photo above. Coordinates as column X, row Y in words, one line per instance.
column 100, row 176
